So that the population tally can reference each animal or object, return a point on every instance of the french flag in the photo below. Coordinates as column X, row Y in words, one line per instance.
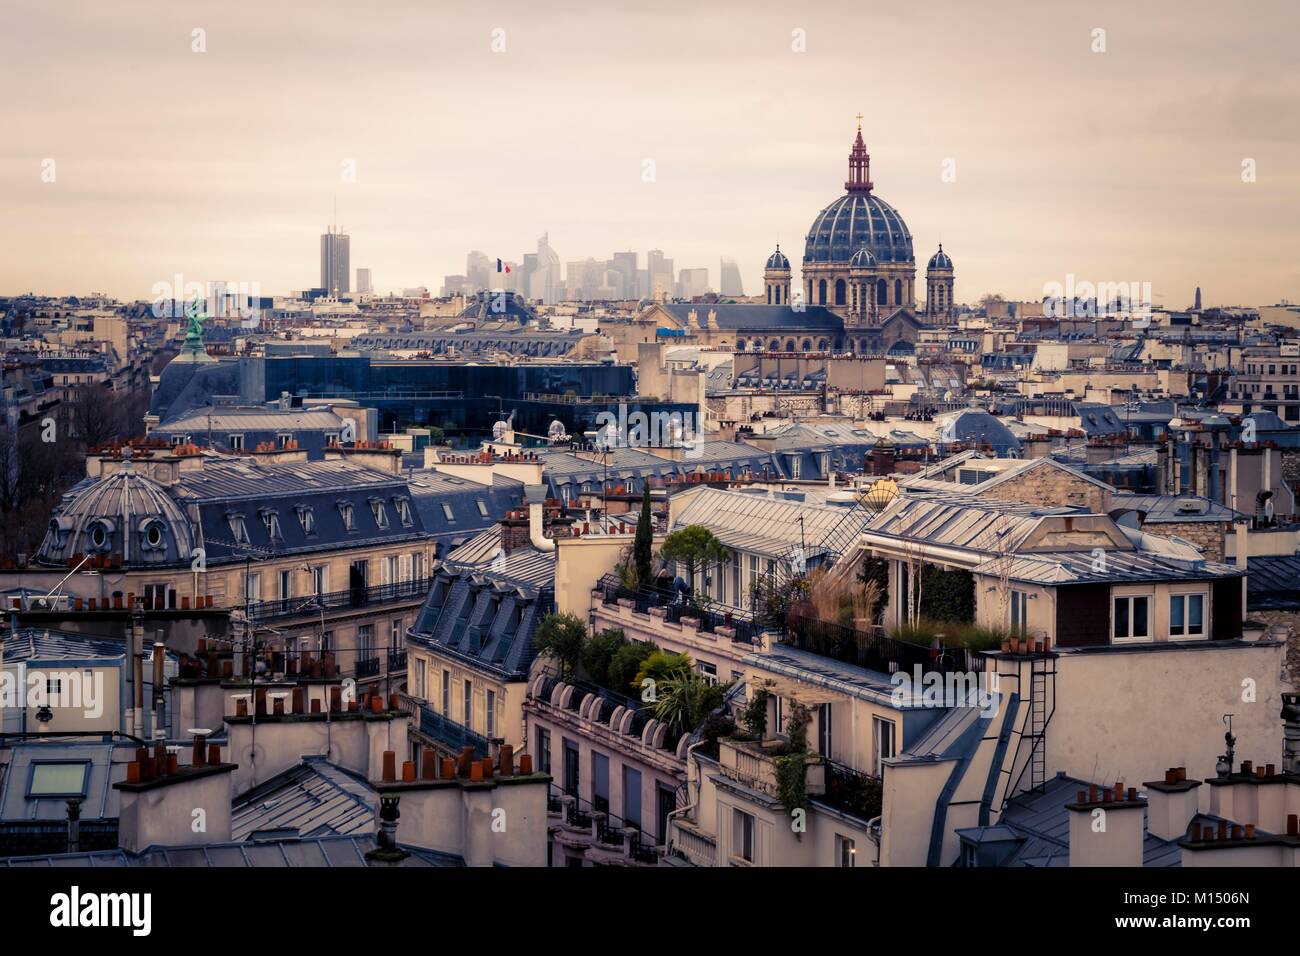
column 502, row 267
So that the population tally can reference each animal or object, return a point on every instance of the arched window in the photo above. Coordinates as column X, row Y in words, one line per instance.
column 769, row 294
column 823, row 345
column 898, row 292
column 864, row 346
column 789, row 345
column 882, row 292
column 821, row 292
column 839, row 292
column 778, row 295
column 740, row 345
column 807, row 345
column 774, row 346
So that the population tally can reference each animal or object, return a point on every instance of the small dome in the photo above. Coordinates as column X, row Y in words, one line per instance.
column 777, row 260
column 125, row 515
column 862, row 259
column 940, row 260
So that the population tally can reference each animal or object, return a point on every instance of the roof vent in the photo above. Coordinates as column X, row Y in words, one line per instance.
column 1190, row 506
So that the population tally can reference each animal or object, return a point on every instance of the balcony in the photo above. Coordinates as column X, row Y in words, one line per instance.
column 312, row 605
column 753, row 765
column 873, row 649
column 367, row 667
column 599, row 835
column 702, row 614
column 451, row 735
column 853, row 792
column 695, row 846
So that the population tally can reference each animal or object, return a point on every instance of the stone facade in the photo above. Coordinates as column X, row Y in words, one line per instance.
column 1051, row 486
column 1206, row 535
column 1284, row 624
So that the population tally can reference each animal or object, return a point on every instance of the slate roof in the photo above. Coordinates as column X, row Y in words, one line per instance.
column 251, row 418
column 329, row 851
column 776, row 319
column 1167, row 508
column 1273, row 583
column 1043, row 823
column 761, row 523
column 315, row 798
column 1082, row 567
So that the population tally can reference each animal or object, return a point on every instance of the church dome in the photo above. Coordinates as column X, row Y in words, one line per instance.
column 854, row 221
column 778, row 260
column 125, row 516
column 940, row 260
column 857, row 219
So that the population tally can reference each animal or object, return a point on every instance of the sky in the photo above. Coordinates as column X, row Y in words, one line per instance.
column 133, row 149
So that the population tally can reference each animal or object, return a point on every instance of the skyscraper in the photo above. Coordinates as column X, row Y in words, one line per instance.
column 334, row 262
column 363, row 282
column 729, row 278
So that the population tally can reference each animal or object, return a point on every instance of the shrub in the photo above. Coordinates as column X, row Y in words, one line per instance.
column 598, row 654
column 561, row 638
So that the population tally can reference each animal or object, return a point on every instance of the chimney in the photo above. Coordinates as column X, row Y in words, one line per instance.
column 535, row 495
column 157, row 797
column 1171, row 804
column 1107, row 828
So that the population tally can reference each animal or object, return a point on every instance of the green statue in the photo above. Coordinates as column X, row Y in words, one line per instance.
column 197, row 314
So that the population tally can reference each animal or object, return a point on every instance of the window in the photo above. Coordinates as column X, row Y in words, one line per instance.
column 631, row 797
column 345, row 511
column 490, row 715
column 824, row 730
column 417, row 566
column 365, row 641
column 446, row 693
column 1187, row 615
column 286, row 584
column 599, row 781
column 467, row 704
column 404, row 511
column 1019, row 612
column 327, row 641
column 155, row 595
column 283, row 439
column 252, row 588
column 320, row 579
column 236, row 442
column 271, row 522
column 708, row 671
column 237, row 529
column 543, row 750
column 882, row 744
column 482, row 507
column 447, row 512
column 1132, row 620
column 571, row 781
column 380, row 512
column 420, row 689
column 391, row 569
column 968, row 855
column 742, row 835
column 58, row 778
column 395, row 635
column 307, row 519
column 846, row 850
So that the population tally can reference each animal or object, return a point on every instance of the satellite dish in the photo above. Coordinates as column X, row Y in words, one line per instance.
column 556, row 432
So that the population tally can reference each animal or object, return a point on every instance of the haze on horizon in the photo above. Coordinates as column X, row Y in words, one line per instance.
column 1117, row 166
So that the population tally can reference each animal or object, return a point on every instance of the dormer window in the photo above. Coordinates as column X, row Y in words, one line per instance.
column 100, row 536
column 238, row 530
column 404, row 510
column 271, row 522
column 380, row 512
column 153, row 535
column 349, row 520
column 307, row 519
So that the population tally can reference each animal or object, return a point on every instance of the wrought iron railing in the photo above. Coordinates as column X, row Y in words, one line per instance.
column 871, row 648
column 452, row 735
column 310, row 604
column 367, row 667
column 852, row 791
column 709, row 613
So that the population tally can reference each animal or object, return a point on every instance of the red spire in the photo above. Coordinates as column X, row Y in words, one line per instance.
column 859, row 180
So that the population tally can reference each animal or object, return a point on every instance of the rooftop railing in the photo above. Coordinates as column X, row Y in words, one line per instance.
column 709, row 614
column 872, row 649
column 310, row 604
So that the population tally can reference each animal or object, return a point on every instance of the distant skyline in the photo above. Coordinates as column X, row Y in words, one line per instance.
column 223, row 165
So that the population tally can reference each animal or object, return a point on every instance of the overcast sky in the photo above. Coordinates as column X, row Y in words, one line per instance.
column 1123, row 165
